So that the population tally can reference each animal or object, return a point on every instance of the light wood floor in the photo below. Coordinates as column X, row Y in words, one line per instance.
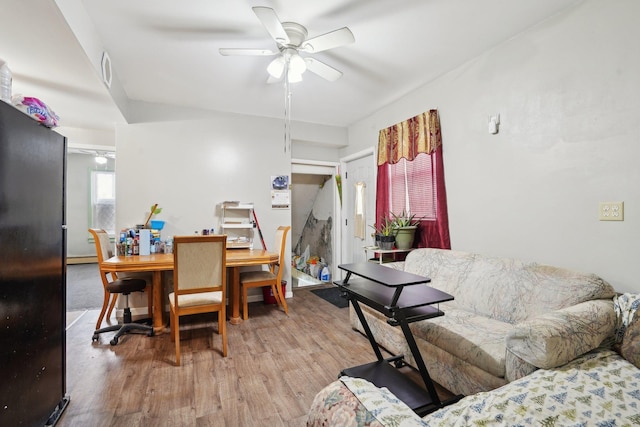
column 275, row 366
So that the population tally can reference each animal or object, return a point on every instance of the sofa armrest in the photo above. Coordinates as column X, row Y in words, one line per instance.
column 557, row 337
column 337, row 405
column 357, row 402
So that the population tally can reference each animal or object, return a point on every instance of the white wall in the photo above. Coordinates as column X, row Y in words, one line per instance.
column 189, row 161
column 567, row 92
column 87, row 138
column 314, row 151
column 190, row 167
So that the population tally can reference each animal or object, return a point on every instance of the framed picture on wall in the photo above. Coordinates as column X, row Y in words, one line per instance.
column 280, row 193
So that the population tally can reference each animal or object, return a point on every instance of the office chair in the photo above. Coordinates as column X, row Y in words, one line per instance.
column 123, row 286
column 258, row 279
column 199, row 282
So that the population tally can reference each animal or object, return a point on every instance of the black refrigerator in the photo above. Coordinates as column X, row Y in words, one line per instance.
column 32, row 271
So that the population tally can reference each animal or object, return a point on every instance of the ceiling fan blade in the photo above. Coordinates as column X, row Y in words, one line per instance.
column 329, row 40
column 323, row 70
column 231, row 51
column 270, row 20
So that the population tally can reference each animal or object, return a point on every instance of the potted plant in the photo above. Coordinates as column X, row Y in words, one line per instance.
column 385, row 234
column 405, row 226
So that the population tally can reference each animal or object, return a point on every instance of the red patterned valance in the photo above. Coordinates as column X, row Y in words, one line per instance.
column 419, row 134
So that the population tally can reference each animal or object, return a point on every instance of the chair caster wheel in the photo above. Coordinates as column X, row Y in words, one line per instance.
column 114, row 341
column 95, row 338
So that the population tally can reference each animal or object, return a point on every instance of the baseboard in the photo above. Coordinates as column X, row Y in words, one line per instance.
column 137, row 313
column 82, row 260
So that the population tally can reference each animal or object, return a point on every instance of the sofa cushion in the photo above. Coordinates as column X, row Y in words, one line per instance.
column 505, row 289
column 454, row 374
column 475, row 339
column 520, row 291
column 446, row 268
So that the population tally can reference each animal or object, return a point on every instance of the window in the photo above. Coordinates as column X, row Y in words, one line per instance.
column 416, row 185
column 103, row 200
column 412, row 187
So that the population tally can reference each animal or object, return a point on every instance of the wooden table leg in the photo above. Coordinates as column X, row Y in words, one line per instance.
column 234, row 295
column 158, row 323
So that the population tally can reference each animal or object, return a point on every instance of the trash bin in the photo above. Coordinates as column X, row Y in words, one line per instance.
column 267, row 294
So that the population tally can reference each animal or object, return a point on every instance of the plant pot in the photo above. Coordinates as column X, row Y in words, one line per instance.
column 405, row 236
column 157, row 224
column 385, row 242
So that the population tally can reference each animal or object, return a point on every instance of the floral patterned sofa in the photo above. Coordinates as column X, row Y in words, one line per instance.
column 508, row 318
column 599, row 388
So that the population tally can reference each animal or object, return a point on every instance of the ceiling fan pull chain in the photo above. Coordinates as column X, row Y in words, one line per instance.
column 287, row 108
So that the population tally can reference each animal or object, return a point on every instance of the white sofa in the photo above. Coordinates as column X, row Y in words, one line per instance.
column 509, row 318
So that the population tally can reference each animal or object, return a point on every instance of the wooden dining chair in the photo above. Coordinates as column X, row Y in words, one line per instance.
column 199, row 282
column 271, row 277
column 104, row 251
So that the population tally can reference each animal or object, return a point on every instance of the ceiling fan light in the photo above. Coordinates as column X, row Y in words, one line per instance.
column 276, row 67
column 101, row 160
column 294, row 77
column 297, row 64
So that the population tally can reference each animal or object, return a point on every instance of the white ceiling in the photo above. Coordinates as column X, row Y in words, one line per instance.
column 166, row 51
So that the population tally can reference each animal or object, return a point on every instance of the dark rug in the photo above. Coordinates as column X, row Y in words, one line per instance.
column 84, row 287
column 332, row 295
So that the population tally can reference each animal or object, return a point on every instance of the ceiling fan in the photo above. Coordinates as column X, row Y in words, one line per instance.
column 291, row 40
column 100, row 157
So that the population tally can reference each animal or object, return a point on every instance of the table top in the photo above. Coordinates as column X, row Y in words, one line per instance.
column 384, row 275
column 163, row 262
column 386, row 290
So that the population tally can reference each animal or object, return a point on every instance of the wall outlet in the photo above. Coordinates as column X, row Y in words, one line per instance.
column 611, row 211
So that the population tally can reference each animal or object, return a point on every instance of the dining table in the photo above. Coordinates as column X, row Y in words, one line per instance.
column 160, row 263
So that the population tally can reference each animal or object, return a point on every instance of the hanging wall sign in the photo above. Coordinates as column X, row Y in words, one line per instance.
column 280, row 193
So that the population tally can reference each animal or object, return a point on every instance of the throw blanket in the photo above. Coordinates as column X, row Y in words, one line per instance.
column 599, row 388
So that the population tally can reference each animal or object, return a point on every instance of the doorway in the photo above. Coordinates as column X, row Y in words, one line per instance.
column 315, row 213
column 87, row 207
column 84, row 286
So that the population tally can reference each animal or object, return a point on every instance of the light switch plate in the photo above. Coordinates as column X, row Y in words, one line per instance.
column 611, row 211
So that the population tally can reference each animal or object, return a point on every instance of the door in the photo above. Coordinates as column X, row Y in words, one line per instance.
column 359, row 169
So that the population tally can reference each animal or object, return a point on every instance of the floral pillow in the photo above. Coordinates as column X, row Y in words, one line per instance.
column 630, row 348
